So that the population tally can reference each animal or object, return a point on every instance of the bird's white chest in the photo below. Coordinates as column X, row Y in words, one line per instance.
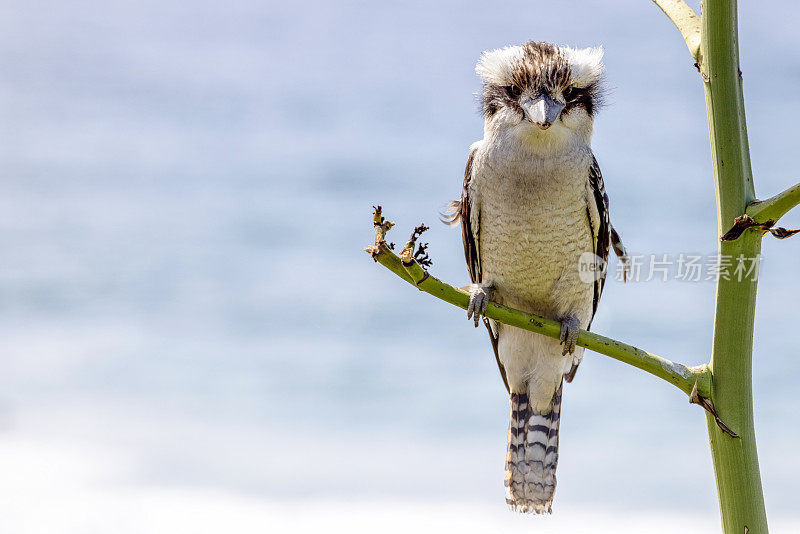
column 534, row 227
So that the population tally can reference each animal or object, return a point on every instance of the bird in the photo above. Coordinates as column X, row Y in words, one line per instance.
column 536, row 229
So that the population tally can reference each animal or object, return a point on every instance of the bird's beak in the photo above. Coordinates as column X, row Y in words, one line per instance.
column 542, row 111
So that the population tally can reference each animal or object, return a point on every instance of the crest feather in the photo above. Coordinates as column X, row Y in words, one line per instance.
column 585, row 64
column 496, row 66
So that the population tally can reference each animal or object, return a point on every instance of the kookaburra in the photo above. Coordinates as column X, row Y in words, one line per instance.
column 533, row 214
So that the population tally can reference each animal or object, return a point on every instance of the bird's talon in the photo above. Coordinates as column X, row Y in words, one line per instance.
column 569, row 334
column 478, row 300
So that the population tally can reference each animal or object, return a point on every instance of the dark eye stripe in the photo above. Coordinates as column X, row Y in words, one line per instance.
column 496, row 97
column 582, row 97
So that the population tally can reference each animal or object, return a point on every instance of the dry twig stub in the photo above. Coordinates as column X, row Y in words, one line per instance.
column 421, row 255
column 696, row 398
column 743, row 222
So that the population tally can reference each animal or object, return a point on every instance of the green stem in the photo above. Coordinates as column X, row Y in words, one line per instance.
column 776, row 207
column 681, row 376
column 735, row 459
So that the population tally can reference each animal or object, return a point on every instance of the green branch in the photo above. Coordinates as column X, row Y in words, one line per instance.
column 683, row 377
column 687, row 22
column 776, row 207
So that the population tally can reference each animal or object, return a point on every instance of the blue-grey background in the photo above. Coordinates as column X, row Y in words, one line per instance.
column 192, row 339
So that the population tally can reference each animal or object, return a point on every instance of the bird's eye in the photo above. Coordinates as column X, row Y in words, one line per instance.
column 569, row 93
column 514, row 91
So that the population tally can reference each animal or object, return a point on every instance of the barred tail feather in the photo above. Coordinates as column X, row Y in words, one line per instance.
column 532, row 455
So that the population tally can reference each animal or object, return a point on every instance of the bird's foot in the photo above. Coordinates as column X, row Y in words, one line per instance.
column 569, row 334
column 479, row 295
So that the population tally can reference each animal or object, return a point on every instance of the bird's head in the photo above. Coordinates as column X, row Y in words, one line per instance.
column 542, row 93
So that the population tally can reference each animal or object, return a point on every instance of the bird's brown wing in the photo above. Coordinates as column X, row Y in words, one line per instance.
column 601, row 229
column 470, row 234
column 599, row 215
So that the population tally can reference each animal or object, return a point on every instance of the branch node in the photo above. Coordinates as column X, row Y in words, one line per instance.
column 740, row 224
column 743, row 222
column 696, row 398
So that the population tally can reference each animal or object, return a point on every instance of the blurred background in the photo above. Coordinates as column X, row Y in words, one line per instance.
column 193, row 340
